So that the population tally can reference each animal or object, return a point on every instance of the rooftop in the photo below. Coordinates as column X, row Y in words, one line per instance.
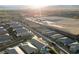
column 4, row 38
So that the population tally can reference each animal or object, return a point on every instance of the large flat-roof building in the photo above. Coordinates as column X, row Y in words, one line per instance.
column 3, row 30
column 29, row 48
column 5, row 38
column 14, row 50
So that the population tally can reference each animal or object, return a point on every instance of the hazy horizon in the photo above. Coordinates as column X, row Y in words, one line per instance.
column 17, row 7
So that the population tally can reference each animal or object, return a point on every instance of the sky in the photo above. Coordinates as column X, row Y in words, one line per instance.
column 38, row 2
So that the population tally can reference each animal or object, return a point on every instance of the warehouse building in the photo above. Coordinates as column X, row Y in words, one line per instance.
column 37, row 44
column 14, row 50
column 17, row 30
column 56, row 36
column 74, row 47
column 5, row 39
column 65, row 41
column 28, row 48
column 3, row 30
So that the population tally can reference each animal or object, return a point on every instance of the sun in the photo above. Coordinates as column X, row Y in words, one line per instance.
column 38, row 3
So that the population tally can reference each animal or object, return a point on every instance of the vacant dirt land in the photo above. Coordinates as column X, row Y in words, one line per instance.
column 69, row 24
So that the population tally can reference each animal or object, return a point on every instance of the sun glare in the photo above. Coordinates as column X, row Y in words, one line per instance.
column 33, row 3
column 37, row 6
column 38, row 3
